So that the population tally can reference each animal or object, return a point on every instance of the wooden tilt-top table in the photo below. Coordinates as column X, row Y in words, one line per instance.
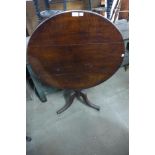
column 75, row 50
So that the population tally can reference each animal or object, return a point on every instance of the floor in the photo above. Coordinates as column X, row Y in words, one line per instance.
column 82, row 130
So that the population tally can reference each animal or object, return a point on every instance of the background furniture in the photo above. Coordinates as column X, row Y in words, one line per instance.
column 49, row 12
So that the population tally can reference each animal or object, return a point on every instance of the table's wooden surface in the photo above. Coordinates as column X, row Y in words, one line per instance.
column 75, row 52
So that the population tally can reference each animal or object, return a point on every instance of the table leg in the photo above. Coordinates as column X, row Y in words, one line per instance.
column 77, row 94
column 67, row 105
column 88, row 103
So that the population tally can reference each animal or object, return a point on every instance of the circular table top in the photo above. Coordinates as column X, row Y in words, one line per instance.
column 75, row 50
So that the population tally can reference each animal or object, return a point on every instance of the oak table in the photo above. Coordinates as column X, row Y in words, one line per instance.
column 75, row 50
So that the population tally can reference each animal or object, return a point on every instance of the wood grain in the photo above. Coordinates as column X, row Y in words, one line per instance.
column 75, row 52
column 124, row 10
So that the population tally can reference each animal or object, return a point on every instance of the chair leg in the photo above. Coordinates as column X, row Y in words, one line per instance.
column 37, row 85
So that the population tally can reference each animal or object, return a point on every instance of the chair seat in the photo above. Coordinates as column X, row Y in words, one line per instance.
column 49, row 13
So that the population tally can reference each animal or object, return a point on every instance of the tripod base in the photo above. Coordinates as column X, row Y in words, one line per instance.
column 78, row 94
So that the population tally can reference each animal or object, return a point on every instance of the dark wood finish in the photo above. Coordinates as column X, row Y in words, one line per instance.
column 77, row 94
column 75, row 52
